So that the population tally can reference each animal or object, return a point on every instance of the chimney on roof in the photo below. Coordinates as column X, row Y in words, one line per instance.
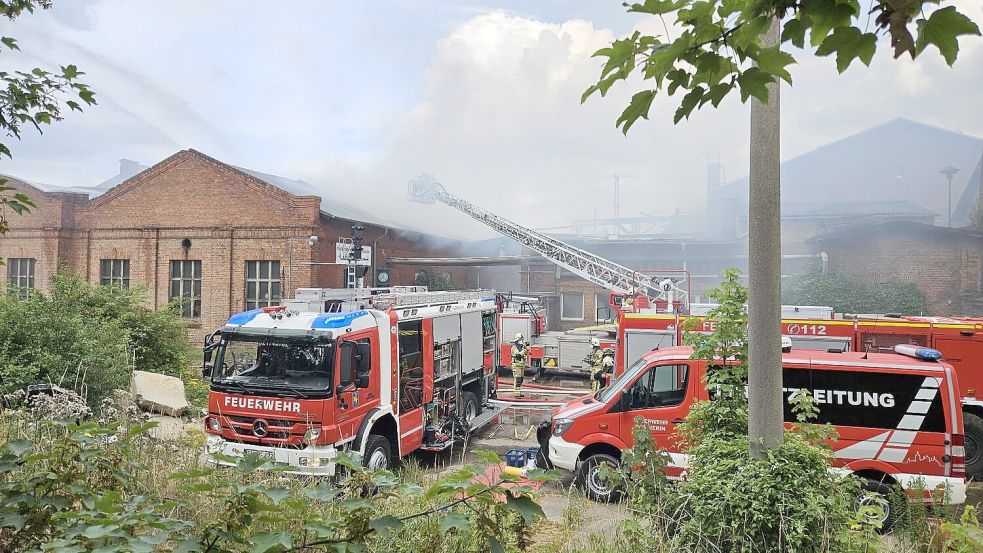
column 128, row 168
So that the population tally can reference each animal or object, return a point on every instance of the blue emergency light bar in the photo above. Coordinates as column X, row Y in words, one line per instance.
column 918, row 352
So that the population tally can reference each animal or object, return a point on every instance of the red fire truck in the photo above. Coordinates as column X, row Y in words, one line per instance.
column 381, row 372
column 960, row 341
column 897, row 416
column 563, row 351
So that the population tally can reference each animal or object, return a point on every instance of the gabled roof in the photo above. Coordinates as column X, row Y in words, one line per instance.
column 145, row 176
column 897, row 160
column 896, row 227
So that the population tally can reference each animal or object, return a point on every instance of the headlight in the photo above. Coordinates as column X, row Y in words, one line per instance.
column 561, row 425
column 213, row 424
column 312, row 435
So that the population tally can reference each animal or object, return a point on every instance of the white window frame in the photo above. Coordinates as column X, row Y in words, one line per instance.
column 563, row 302
column 351, row 280
column 119, row 272
column 255, row 301
column 186, row 287
column 20, row 276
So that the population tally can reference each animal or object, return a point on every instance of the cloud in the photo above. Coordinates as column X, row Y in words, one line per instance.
column 357, row 100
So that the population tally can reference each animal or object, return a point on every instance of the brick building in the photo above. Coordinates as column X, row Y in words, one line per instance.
column 215, row 238
column 945, row 263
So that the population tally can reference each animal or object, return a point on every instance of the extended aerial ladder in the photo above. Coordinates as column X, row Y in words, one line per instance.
column 672, row 287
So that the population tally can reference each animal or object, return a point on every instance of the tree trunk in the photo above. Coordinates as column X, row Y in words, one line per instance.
column 765, row 425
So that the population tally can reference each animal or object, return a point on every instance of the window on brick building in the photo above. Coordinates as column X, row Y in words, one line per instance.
column 263, row 284
column 115, row 271
column 20, row 276
column 572, row 306
column 186, row 287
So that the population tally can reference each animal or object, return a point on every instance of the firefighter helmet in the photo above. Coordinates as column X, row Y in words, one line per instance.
column 519, row 337
column 608, row 362
column 595, row 342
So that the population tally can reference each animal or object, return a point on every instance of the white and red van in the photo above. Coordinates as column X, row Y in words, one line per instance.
column 897, row 415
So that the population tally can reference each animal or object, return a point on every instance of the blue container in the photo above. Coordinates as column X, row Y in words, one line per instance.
column 515, row 458
column 532, row 454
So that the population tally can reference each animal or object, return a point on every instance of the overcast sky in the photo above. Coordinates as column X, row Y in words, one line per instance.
column 358, row 97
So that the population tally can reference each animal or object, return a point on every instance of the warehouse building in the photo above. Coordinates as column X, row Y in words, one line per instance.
column 210, row 237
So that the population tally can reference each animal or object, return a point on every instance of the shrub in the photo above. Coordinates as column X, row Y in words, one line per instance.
column 849, row 296
column 87, row 338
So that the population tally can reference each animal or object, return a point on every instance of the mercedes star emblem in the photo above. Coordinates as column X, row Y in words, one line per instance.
column 260, row 428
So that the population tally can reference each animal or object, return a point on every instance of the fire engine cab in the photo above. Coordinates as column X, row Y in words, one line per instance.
column 897, row 416
column 381, row 372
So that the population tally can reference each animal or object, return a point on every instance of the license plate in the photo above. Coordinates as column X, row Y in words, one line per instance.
column 260, row 452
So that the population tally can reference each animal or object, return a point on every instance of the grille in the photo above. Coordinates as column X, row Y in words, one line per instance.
column 273, row 422
column 274, row 434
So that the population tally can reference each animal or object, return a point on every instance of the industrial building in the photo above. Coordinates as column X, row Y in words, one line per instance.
column 207, row 236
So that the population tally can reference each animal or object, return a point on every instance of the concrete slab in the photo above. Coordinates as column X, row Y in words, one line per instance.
column 159, row 393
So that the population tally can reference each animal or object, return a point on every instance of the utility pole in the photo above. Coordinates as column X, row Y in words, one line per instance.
column 949, row 172
column 765, row 399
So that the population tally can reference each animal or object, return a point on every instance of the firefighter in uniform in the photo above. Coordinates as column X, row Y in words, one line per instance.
column 594, row 362
column 607, row 366
column 519, row 352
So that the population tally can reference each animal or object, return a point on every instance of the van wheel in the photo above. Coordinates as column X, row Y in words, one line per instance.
column 885, row 496
column 591, row 479
column 973, row 427
column 378, row 453
column 470, row 408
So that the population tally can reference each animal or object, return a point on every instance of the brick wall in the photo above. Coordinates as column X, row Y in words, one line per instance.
column 192, row 207
column 944, row 264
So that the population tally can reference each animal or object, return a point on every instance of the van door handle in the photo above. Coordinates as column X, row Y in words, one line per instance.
column 678, row 421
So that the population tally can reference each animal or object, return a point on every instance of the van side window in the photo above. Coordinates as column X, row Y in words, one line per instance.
column 660, row 386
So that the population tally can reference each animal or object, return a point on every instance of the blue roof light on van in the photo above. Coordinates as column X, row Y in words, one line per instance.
column 918, row 352
column 336, row 320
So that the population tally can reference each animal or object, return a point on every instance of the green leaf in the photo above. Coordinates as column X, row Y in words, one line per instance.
column 656, row 7
column 942, row 29
column 324, row 491
column 19, row 447
column 689, row 102
column 794, row 32
column 773, row 60
column 99, row 531
column 524, row 504
column 141, row 428
column 69, row 71
column 849, row 43
column 383, row 525
column 108, row 503
column 638, row 107
column 754, row 82
column 10, row 42
column 276, row 495
column 489, row 456
column 716, row 94
column 264, row 542
column 453, row 520
column 826, row 15
column 494, row 546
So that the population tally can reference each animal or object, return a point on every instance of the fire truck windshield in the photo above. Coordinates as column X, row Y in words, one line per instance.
column 300, row 366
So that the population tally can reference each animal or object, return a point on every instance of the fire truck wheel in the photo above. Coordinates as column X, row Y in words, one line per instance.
column 974, row 445
column 591, row 479
column 378, row 453
column 887, row 497
column 470, row 408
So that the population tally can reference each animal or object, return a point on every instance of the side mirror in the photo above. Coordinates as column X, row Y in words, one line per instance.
column 362, row 380
column 210, row 344
column 206, row 370
column 363, row 358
